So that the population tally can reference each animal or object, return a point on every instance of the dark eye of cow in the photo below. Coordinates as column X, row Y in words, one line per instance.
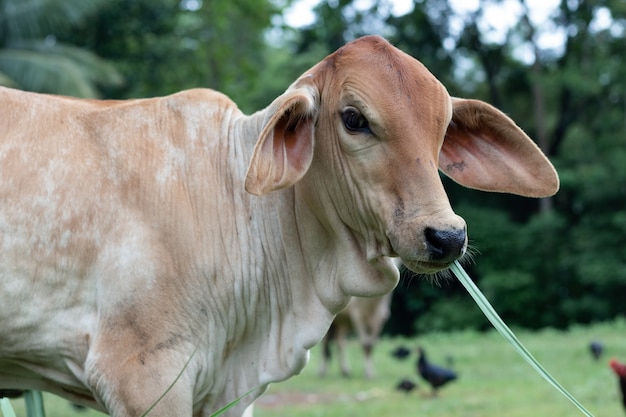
column 354, row 121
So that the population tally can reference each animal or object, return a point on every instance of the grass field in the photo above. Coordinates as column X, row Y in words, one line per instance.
column 494, row 381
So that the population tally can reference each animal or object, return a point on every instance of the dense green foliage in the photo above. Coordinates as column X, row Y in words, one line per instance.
column 163, row 46
column 32, row 58
column 550, row 262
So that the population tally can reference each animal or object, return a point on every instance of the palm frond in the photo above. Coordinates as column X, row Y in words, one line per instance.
column 33, row 18
column 46, row 73
column 7, row 81
column 94, row 68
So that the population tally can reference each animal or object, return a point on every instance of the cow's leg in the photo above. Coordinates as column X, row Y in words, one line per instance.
column 368, row 361
column 326, row 354
column 249, row 412
column 329, row 337
column 366, row 339
column 342, row 337
column 130, row 389
column 134, row 360
column 142, row 341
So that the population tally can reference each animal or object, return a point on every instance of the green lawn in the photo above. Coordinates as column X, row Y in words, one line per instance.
column 494, row 381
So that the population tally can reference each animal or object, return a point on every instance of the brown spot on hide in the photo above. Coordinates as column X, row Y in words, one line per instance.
column 459, row 166
column 170, row 343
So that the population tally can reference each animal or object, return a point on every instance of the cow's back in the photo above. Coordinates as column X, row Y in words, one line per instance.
column 72, row 171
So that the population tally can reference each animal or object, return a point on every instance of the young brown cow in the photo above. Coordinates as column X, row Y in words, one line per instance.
column 177, row 243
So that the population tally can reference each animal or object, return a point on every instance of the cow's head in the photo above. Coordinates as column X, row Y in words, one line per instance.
column 378, row 124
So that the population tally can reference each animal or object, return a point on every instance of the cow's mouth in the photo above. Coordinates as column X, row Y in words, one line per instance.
column 423, row 267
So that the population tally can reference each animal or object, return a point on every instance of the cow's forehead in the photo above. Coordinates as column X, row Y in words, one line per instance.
column 395, row 83
column 374, row 58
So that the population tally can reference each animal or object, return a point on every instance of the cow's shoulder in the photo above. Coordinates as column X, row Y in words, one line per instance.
column 191, row 97
column 204, row 98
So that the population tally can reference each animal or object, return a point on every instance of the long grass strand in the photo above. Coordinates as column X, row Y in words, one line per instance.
column 508, row 334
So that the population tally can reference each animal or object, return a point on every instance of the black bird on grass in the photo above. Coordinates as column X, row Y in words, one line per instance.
column 400, row 352
column 406, row 385
column 436, row 376
column 596, row 348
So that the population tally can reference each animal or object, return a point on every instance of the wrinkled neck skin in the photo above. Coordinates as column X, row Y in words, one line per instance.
column 288, row 287
column 341, row 261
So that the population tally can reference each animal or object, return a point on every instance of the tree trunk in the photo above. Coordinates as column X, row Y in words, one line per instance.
column 545, row 204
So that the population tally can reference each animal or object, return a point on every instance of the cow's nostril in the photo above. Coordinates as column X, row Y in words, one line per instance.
column 445, row 245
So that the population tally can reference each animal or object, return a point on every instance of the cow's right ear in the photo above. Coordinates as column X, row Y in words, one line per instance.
column 484, row 149
column 284, row 151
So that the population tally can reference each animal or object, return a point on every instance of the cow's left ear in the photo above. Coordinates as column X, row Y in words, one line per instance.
column 486, row 150
column 284, row 151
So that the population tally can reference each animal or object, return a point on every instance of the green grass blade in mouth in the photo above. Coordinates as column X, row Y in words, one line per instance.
column 504, row 330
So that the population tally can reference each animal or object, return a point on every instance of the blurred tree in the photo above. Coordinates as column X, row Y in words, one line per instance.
column 164, row 46
column 566, row 264
column 31, row 58
column 336, row 23
column 422, row 33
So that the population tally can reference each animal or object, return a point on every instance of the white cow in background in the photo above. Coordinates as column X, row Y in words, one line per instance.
column 170, row 255
column 367, row 317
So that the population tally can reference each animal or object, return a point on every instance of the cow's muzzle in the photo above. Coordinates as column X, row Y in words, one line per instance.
column 445, row 246
column 429, row 244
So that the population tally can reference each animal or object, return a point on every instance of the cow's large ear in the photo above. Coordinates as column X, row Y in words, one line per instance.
column 284, row 151
column 486, row 150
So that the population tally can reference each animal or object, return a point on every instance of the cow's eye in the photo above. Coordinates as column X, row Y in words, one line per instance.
column 354, row 121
